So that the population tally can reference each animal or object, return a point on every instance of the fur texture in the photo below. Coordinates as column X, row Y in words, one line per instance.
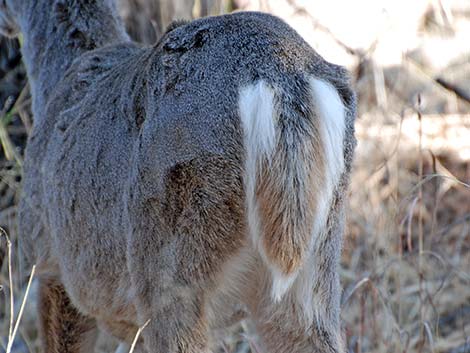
column 64, row 329
column 185, row 182
column 285, row 193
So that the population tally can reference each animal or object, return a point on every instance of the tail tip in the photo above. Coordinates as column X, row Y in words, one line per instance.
column 281, row 283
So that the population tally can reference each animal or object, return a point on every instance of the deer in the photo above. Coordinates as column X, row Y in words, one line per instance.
column 167, row 186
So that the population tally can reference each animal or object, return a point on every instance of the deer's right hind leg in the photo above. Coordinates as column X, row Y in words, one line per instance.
column 63, row 328
column 305, row 320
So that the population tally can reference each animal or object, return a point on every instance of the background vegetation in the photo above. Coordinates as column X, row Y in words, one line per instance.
column 406, row 259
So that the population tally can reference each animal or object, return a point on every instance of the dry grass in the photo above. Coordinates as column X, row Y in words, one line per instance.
column 406, row 259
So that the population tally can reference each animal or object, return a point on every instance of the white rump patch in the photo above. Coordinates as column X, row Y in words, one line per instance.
column 331, row 115
column 256, row 104
column 257, row 114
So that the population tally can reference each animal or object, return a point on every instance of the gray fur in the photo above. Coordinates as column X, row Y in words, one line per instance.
column 133, row 192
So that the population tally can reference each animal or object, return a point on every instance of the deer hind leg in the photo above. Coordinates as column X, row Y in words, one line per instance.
column 63, row 328
column 306, row 319
column 183, row 239
column 283, row 328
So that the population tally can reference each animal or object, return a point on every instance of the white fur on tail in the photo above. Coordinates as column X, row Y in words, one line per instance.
column 331, row 116
column 331, row 113
column 256, row 104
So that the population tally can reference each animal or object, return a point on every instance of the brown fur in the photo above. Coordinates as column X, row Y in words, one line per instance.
column 200, row 193
column 286, row 236
column 63, row 328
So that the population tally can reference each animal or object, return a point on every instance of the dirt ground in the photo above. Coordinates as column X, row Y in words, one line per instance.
column 405, row 267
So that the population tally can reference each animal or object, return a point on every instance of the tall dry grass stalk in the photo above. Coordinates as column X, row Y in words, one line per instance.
column 137, row 335
column 14, row 324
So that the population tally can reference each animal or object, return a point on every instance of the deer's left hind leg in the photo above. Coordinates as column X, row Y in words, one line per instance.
column 63, row 328
column 182, row 240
